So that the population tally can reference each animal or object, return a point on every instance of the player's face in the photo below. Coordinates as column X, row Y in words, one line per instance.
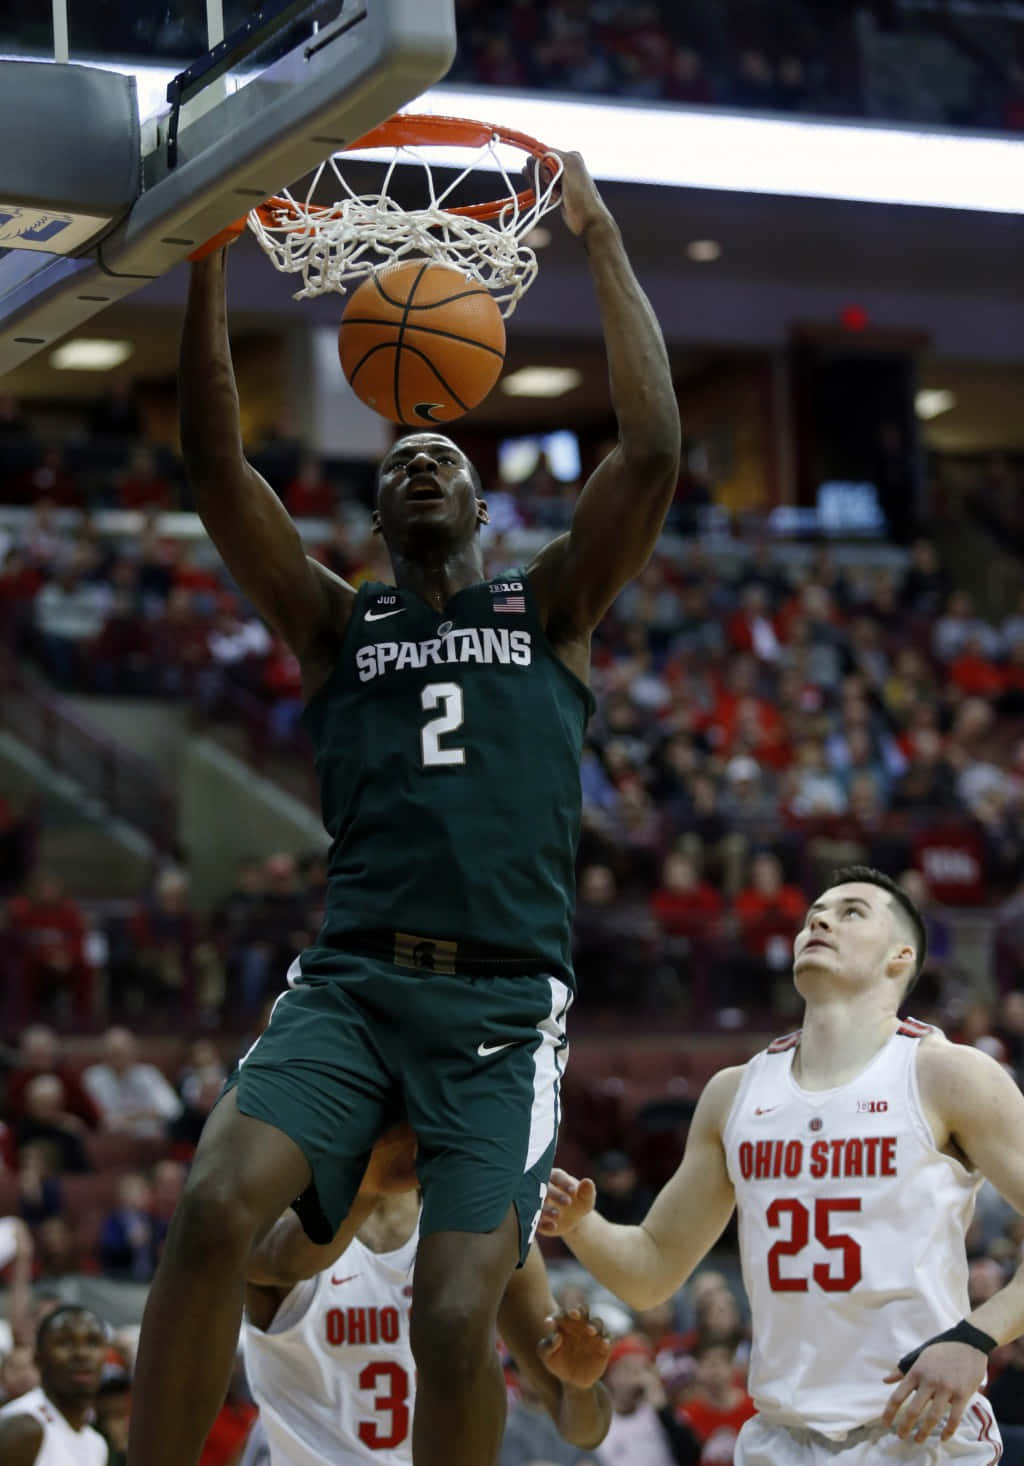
column 848, row 933
column 70, row 1357
column 426, row 493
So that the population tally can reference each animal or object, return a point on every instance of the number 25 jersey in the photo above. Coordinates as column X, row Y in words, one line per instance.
column 852, row 1227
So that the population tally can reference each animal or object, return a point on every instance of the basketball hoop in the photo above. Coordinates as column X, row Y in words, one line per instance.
column 333, row 245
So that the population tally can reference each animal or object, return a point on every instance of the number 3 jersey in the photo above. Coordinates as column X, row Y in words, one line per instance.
column 448, row 746
column 851, row 1228
column 334, row 1376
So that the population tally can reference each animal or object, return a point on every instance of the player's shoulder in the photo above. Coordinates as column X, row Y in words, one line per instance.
column 719, row 1094
column 939, row 1059
column 21, row 1436
column 950, row 1073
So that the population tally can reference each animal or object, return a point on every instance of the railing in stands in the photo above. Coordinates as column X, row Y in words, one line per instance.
column 130, row 787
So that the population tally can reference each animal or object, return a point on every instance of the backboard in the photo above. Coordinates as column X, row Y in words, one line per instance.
column 236, row 101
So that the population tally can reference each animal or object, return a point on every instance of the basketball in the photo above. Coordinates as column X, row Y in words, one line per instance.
column 421, row 343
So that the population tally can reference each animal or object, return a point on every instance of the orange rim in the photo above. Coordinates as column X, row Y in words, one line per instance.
column 411, row 129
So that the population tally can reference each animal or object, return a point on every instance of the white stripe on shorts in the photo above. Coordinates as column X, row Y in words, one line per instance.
column 548, row 1063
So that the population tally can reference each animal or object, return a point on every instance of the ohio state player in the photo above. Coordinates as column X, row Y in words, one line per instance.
column 326, row 1332
column 853, row 1151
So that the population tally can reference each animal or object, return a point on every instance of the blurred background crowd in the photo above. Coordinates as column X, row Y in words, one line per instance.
column 775, row 698
column 916, row 60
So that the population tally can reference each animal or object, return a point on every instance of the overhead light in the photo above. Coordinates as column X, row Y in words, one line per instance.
column 541, row 381
column 933, row 402
column 703, row 251
column 710, row 147
column 86, row 354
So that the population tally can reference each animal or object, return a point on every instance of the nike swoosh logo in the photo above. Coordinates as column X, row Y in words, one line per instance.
column 338, row 1281
column 484, row 1049
column 766, row 1111
column 383, row 615
column 425, row 410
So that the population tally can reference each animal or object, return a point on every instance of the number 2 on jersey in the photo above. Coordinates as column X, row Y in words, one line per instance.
column 799, row 1218
column 448, row 697
column 390, row 1385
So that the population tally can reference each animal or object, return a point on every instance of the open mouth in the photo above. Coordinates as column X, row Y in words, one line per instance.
column 424, row 490
column 825, row 945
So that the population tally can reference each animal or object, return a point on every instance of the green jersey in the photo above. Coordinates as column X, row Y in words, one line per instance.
column 448, row 748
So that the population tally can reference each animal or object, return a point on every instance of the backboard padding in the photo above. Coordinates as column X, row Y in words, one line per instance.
column 330, row 89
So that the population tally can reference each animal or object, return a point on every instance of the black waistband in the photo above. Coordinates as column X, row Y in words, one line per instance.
column 441, row 955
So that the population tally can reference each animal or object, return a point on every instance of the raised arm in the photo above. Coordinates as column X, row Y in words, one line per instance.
column 563, row 1355
column 644, row 1265
column 620, row 512
column 19, row 1298
column 286, row 1255
column 243, row 516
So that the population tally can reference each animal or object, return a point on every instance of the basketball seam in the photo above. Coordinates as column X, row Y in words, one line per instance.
column 406, row 304
column 401, row 334
column 427, row 331
column 429, row 305
column 414, row 351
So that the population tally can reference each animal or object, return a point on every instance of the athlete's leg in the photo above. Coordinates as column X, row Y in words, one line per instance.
column 244, row 1175
column 460, row 1393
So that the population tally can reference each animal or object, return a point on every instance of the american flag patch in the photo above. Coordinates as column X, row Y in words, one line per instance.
column 511, row 605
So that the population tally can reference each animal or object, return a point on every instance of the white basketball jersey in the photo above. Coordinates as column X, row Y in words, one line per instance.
column 851, row 1227
column 334, row 1375
column 62, row 1444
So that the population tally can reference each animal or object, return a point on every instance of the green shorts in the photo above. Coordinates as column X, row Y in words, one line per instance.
column 474, row 1064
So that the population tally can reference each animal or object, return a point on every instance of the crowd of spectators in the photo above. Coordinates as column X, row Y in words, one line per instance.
column 943, row 63
column 158, row 961
column 875, row 58
column 762, row 717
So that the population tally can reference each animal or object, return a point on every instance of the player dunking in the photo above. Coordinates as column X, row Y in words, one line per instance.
column 326, row 1334
column 853, row 1151
column 447, row 714
column 50, row 1425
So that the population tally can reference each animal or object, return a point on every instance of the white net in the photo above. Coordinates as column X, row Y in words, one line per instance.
column 334, row 246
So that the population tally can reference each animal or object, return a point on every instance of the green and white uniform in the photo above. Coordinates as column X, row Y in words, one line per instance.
column 448, row 747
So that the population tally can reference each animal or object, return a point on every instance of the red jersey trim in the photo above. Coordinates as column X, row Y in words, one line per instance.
column 986, row 1421
column 789, row 1041
column 911, row 1028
